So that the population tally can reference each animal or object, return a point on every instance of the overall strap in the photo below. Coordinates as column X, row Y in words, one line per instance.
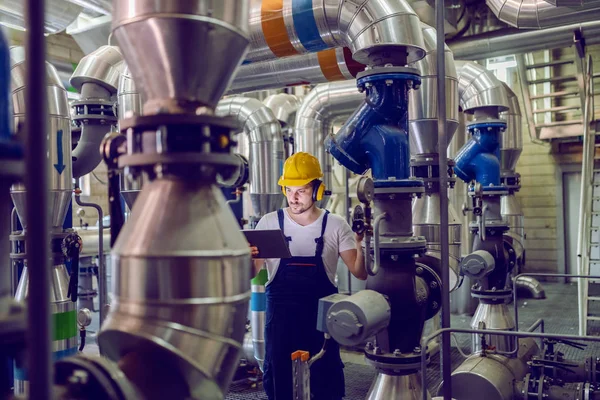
column 320, row 241
column 280, row 217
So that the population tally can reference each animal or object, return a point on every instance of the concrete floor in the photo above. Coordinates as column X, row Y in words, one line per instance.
column 559, row 311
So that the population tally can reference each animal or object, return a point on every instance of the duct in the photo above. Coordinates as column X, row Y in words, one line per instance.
column 266, row 150
column 369, row 28
column 327, row 65
column 59, row 139
column 176, row 82
column 422, row 109
column 511, row 145
column 177, row 322
column 479, row 88
column 58, row 14
column 96, row 79
column 513, row 41
column 539, row 14
column 325, row 105
column 284, row 107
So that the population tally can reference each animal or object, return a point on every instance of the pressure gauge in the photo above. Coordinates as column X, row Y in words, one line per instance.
column 365, row 189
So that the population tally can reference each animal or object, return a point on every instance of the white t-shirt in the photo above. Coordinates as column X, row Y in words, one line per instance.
column 338, row 237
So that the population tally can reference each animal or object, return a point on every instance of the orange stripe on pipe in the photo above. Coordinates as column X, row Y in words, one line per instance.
column 273, row 27
column 329, row 65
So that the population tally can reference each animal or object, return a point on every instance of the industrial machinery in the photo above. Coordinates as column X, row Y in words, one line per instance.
column 64, row 284
column 477, row 163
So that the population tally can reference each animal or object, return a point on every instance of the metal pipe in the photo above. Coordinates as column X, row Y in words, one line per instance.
column 503, row 42
column 325, row 66
column 369, row 29
column 538, row 323
column 266, row 150
column 102, row 273
column 36, row 200
column 58, row 15
column 538, row 14
column 446, row 374
column 443, row 163
column 373, row 270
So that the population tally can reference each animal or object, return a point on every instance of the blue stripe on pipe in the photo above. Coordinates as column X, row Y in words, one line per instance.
column 21, row 373
column 306, row 26
column 258, row 301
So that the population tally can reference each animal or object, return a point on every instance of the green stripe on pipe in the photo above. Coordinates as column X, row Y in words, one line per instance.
column 65, row 325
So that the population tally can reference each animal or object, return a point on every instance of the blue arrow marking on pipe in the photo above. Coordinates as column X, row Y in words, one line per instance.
column 60, row 166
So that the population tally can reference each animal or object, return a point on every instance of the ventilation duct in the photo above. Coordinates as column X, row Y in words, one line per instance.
column 539, row 14
column 58, row 14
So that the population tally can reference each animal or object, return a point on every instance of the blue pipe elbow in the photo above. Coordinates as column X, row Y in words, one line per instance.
column 479, row 159
column 376, row 136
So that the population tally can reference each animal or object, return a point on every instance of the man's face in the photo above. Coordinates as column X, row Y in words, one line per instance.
column 299, row 198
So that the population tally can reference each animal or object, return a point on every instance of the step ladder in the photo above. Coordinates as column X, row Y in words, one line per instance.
column 588, row 238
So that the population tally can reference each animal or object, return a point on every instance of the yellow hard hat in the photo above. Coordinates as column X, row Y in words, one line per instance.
column 300, row 169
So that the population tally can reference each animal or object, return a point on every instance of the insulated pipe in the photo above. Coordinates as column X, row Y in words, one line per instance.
column 96, row 78
column 513, row 41
column 285, row 107
column 281, row 28
column 57, row 16
column 266, row 150
column 325, row 66
column 512, row 140
column 325, row 105
column 539, row 14
column 478, row 88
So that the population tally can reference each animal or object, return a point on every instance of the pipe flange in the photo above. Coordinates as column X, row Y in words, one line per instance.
column 489, row 191
column 394, row 362
column 434, row 283
column 416, row 244
column 492, row 294
column 511, row 180
column 379, row 73
column 487, row 125
column 144, row 160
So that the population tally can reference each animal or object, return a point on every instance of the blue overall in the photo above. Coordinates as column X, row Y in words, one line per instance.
column 292, row 305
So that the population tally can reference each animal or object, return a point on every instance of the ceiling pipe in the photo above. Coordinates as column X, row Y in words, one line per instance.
column 266, row 153
column 513, row 41
column 284, row 107
column 57, row 16
column 539, row 14
column 96, row 78
column 324, row 66
column 283, row 28
column 325, row 105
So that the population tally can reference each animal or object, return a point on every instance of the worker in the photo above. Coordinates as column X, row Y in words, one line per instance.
column 316, row 239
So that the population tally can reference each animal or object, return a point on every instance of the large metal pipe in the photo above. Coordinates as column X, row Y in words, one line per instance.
column 514, row 41
column 266, row 154
column 369, row 28
column 36, row 202
column 539, row 14
column 57, row 16
column 285, row 107
column 325, row 105
column 96, row 78
column 324, row 66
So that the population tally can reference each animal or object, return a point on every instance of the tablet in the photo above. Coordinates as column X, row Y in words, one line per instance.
column 270, row 242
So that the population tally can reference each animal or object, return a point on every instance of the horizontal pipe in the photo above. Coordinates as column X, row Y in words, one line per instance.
column 324, row 66
column 370, row 28
column 539, row 14
column 514, row 41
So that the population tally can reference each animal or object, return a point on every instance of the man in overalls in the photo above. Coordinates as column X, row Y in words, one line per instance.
column 316, row 240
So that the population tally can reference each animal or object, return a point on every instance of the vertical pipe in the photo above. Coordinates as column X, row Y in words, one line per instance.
column 443, row 165
column 36, row 181
column 347, row 204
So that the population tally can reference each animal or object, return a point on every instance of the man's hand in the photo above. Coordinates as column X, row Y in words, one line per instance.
column 254, row 251
column 359, row 237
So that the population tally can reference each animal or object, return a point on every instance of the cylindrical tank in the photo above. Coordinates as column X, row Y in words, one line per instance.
column 492, row 377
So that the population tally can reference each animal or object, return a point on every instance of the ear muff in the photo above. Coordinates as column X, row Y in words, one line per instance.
column 318, row 190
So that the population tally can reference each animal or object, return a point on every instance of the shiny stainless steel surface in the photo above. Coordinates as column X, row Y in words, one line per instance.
column 284, row 106
column 129, row 99
column 513, row 41
column 59, row 137
column 492, row 377
column 512, row 138
column 103, row 67
column 288, row 71
column 163, row 34
column 495, row 317
column 422, row 107
column 180, row 299
column 538, row 14
column 58, row 14
column 366, row 28
column 478, row 87
column 325, row 105
column 397, row 387
column 513, row 215
column 257, row 322
column 248, row 347
column 266, row 155
column 533, row 286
